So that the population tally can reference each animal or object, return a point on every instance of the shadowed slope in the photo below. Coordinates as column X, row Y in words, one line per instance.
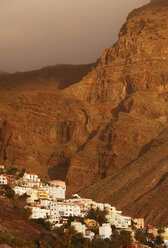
column 58, row 77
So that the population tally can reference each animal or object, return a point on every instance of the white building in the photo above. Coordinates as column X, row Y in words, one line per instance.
column 139, row 223
column 79, row 227
column 38, row 212
column 105, row 231
column 54, row 209
column 31, row 184
column 115, row 218
column 30, row 180
column 3, row 180
column 84, row 204
column 20, row 190
column 127, row 220
column 57, row 193
column 31, row 177
column 68, row 209
column 54, row 193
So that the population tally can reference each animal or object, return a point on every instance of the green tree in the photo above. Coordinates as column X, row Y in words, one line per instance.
column 60, row 237
column 10, row 193
column 98, row 243
column 87, row 243
column 70, row 233
column 98, row 215
column 115, row 244
column 78, row 240
column 95, row 229
column 70, row 219
column 46, row 241
column 125, row 238
column 114, row 229
column 115, row 237
column 161, row 230
column 21, row 174
column 12, row 171
column 158, row 241
column 141, row 236
column 46, row 225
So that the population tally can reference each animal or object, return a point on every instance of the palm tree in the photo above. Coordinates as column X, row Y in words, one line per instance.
column 159, row 241
column 60, row 237
column 125, row 238
column 71, row 232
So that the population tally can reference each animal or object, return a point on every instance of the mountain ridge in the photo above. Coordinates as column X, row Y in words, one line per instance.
column 105, row 135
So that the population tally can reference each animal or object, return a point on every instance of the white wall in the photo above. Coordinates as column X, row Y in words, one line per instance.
column 105, row 231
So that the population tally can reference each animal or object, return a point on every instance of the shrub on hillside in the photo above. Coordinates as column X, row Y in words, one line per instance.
column 12, row 171
column 10, row 193
column 43, row 223
column 97, row 215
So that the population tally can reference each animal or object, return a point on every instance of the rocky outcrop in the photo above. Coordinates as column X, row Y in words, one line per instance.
column 137, row 62
column 105, row 135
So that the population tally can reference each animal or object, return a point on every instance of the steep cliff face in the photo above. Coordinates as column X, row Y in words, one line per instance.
column 140, row 112
column 41, row 127
column 137, row 62
column 130, row 82
column 108, row 130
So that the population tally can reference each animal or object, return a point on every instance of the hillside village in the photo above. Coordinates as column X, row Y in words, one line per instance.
column 47, row 201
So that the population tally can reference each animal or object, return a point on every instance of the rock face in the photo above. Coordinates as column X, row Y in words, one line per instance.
column 105, row 135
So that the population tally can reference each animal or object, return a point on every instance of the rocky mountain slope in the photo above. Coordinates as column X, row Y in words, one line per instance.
column 138, row 64
column 105, row 135
column 14, row 223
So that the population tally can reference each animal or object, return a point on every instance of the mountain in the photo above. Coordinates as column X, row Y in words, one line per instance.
column 137, row 69
column 102, row 127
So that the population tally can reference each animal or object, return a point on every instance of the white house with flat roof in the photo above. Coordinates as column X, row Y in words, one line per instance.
column 31, row 177
column 57, row 193
column 3, row 180
column 68, row 209
column 38, row 212
column 115, row 218
column 20, row 190
column 54, row 193
column 105, row 231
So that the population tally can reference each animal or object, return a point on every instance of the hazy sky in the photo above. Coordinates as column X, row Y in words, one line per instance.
column 37, row 33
